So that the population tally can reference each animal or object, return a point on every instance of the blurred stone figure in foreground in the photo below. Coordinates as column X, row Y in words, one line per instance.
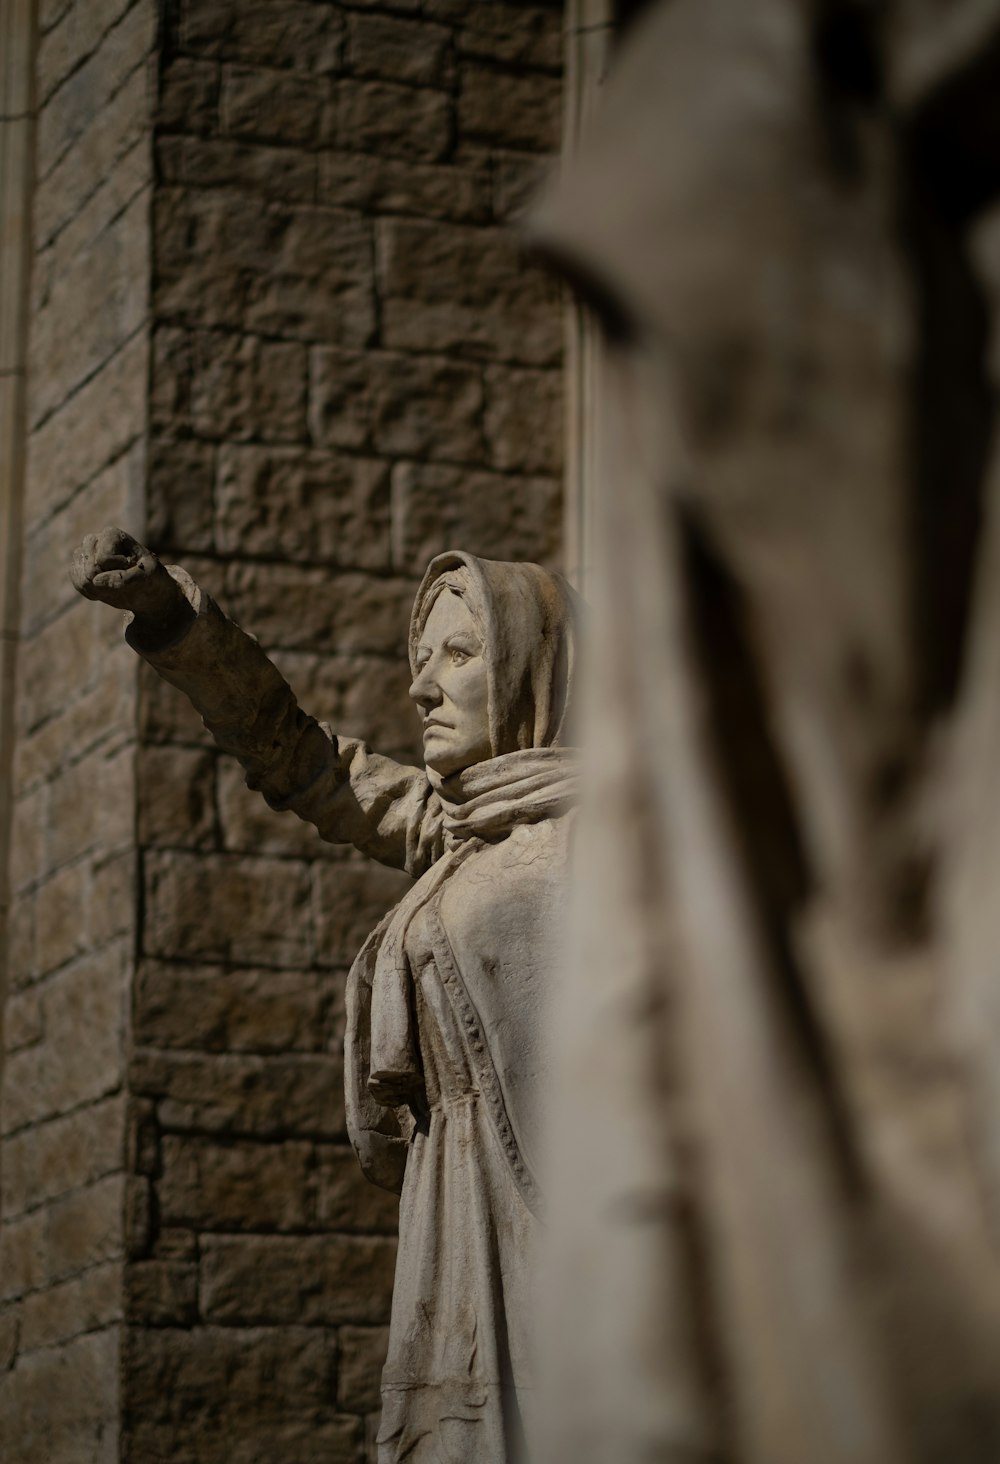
column 776, row 1154
column 443, row 1055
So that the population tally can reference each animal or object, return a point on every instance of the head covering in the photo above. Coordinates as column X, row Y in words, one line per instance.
column 527, row 616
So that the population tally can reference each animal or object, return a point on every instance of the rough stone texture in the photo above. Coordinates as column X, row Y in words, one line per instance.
column 64, row 1194
column 272, row 362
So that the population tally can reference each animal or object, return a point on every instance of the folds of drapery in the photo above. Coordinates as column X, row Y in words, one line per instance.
column 775, row 1142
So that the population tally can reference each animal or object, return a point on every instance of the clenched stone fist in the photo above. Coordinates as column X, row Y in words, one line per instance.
column 113, row 567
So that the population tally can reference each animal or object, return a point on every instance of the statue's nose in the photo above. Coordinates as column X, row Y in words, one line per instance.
column 424, row 689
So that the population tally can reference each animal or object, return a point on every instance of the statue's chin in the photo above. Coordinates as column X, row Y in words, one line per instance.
column 445, row 762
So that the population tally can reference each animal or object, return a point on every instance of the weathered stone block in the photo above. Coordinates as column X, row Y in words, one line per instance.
column 235, row 1186
column 82, row 1304
column 517, row 179
column 122, row 50
column 104, row 417
column 229, row 1395
column 21, row 942
column 362, row 1357
column 63, row 1238
column 283, row 173
column 50, row 12
column 498, row 517
column 113, row 894
column 165, row 714
column 249, row 826
column 176, row 803
column 94, row 718
column 181, row 485
column 264, row 1096
column 110, row 158
column 392, row 186
column 59, row 663
column 60, row 928
column 453, row 288
column 83, row 1010
column 23, row 1022
column 28, row 839
column 49, row 1159
column 290, row 504
column 300, row 608
column 402, row 406
column 350, row 901
column 205, row 27
column 92, row 806
column 138, row 1220
column 115, row 495
column 219, row 385
column 87, row 307
column 209, row 1008
column 519, row 35
column 393, row 121
column 515, row 109
column 189, row 95
column 10, row 1324
column 346, row 1200
column 64, row 45
column 315, row 1280
column 176, row 1245
column 225, row 260
column 400, row 50
column 61, row 1403
column 361, row 696
column 303, row 37
column 217, row 907
column 273, row 106
column 161, row 1293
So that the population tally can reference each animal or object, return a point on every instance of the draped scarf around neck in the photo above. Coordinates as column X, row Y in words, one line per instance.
column 527, row 619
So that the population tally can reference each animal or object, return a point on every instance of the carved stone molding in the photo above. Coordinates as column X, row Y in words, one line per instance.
column 17, row 68
column 590, row 28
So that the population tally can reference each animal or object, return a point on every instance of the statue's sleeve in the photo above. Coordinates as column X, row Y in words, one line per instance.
column 351, row 794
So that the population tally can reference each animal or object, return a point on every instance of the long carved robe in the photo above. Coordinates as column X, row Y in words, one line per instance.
column 445, row 1000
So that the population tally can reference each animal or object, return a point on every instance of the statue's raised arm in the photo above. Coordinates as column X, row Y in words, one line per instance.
column 351, row 794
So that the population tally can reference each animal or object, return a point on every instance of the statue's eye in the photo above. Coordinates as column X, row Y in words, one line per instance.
column 458, row 658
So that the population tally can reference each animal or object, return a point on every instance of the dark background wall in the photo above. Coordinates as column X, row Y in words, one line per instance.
column 280, row 329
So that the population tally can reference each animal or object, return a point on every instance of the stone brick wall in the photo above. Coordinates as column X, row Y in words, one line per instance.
column 280, row 330
column 65, row 1193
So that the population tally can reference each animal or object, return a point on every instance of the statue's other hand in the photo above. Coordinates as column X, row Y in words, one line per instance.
column 113, row 567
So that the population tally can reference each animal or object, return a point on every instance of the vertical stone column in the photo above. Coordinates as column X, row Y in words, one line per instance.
column 589, row 32
column 65, row 1196
column 17, row 125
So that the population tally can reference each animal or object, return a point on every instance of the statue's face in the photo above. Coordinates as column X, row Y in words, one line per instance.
column 450, row 688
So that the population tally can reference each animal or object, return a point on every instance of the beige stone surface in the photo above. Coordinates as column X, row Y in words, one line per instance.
column 81, row 1058
column 300, row 1280
column 268, row 499
column 215, row 907
column 64, row 1153
column 70, row 1234
column 62, row 1402
column 220, row 1009
column 161, row 1293
column 267, row 1096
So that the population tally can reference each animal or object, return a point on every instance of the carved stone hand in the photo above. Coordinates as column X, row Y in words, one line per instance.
column 113, row 567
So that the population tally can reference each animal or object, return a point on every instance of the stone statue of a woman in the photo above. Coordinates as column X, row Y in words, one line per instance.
column 444, row 1001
